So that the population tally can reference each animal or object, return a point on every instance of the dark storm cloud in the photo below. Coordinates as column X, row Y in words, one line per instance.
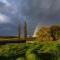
column 8, row 26
column 41, row 8
column 45, row 12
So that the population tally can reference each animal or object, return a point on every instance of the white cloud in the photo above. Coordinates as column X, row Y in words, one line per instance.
column 6, row 2
column 4, row 19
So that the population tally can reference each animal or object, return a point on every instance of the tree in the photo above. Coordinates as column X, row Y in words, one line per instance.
column 48, row 33
column 55, row 32
column 44, row 34
column 19, row 29
column 25, row 28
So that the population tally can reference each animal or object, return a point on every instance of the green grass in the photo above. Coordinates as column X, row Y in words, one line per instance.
column 31, row 51
column 15, row 38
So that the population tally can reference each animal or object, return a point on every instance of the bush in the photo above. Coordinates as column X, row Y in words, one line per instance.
column 20, row 58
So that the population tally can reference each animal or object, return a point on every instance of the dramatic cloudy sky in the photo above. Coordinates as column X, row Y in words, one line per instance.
column 43, row 12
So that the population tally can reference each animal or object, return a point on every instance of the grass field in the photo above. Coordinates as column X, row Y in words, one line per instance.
column 14, row 39
column 31, row 51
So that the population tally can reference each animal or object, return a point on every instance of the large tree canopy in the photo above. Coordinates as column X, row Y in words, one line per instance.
column 48, row 33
